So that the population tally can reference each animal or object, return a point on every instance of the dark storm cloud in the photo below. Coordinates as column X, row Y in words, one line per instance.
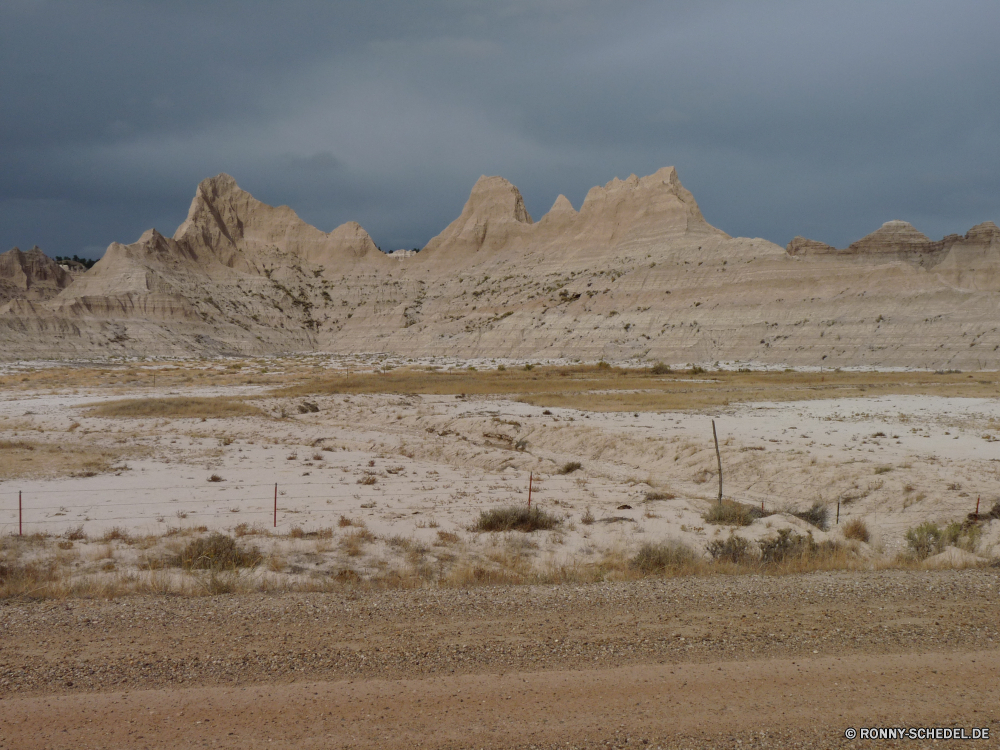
column 823, row 119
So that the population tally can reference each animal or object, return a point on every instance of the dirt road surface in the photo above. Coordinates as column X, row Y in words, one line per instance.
column 685, row 663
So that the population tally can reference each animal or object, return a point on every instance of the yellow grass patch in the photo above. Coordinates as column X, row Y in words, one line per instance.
column 597, row 388
column 176, row 408
column 27, row 458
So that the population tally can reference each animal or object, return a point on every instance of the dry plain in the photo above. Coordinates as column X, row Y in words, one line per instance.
column 375, row 613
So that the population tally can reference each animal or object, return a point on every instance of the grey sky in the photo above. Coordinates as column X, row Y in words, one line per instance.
column 816, row 118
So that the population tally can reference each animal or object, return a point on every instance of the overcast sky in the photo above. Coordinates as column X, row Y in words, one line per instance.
column 821, row 119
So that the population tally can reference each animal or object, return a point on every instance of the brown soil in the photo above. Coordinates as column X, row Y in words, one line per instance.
column 695, row 662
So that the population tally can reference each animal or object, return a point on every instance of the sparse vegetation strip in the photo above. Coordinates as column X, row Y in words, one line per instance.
column 180, row 407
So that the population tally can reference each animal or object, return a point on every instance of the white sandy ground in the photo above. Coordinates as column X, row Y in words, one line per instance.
column 438, row 461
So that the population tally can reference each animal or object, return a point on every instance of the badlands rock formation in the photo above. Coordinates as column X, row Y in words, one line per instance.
column 32, row 275
column 899, row 240
column 637, row 272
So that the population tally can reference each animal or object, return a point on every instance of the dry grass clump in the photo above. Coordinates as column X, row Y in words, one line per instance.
column 353, row 543
column 570, row 466
column 397, row 541
column 516, row 518
column 216, row 552
column 446, row 538
column 730, row 513
column 75, row 534
column 663, row 558
column 857, row 529
column 703, row 476
column 26, row 578
column 245, row 529
column 654, row 495
column 186, row 407
column 117, row 533
column 297, row 532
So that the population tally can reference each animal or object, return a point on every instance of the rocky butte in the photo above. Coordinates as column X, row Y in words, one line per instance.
column 31, row 275
column 636, row 272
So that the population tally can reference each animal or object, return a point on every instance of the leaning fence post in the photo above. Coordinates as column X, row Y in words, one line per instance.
column 718, row 457
column 275, row 505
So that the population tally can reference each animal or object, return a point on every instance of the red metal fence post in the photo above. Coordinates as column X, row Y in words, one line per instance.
column 530, row 477
column 20, row 516
column 275, row 505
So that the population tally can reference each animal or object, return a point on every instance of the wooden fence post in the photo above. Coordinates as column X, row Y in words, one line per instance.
column 718, row 457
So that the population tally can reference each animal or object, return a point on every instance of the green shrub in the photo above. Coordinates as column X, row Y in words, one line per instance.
column 785, row 546
column 930, row 539
column 735, row 549
column 659, row 369
column 656, row 558
column 217, row 552
column 817, row 515
column 925, row 540
column 962, row 535
column 516, row 518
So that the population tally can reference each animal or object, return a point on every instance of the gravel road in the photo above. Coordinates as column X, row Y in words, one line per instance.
column 693, row 662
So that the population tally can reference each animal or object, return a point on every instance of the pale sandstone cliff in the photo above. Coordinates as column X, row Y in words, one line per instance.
column 30, row 275
column 637, row 272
